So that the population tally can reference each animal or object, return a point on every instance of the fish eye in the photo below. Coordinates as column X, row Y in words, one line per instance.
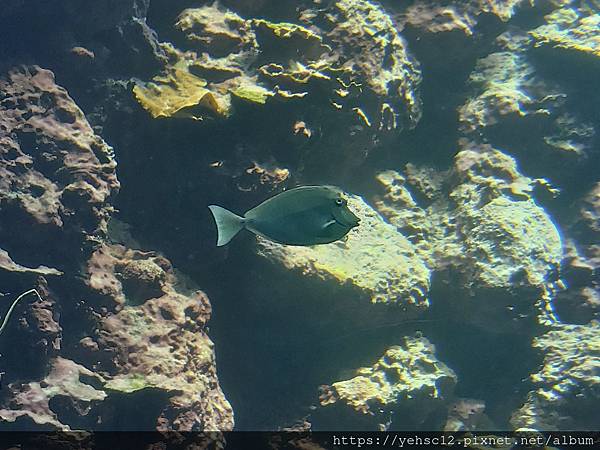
column 339, row 201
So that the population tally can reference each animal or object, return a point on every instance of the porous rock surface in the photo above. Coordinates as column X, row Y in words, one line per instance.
column 567, row 386
column 72, row 358
column 156, row 339
column 407, row 376
column 485, row 231
column 55, row 172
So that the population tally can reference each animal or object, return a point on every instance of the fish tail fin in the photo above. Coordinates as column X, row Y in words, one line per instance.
column 228, row 224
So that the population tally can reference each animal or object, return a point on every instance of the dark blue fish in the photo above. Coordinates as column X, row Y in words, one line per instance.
column 305, row 215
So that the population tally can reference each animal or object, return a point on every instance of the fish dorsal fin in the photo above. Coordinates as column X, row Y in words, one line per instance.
column 292, row 201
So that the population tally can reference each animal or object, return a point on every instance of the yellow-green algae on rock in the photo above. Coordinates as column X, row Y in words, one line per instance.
column 504, row 231
column 176, row 93
column 305, row 39
column 374, row 258
column 505, row 237
column 361, row 68
column 406, row 373
column 365, row 31
column 567, row 386
column 252, row 93
column 197, row 82
column 215, row 30
column 575, row 29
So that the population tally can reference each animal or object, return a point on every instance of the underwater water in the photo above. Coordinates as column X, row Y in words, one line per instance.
column 463, row 137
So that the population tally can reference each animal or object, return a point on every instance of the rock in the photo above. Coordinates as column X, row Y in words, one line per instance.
column 567, row 387
column 143, row 340
column 357, row 81
column 57, row 178
column 578, row 300
column 590, row 218
column 8, row 265
column 63, row 382
column 447, row 36
column 485, row 236
column 516, row 108
column 571, row 28
column 365, row 31
column 156, row 341
column 380, row 264
column 511, row 251
column 508, row 240
column 408, row 378
column 55, row 172
column 466, row 414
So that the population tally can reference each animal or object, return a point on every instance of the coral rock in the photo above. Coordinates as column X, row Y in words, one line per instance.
column 64, row 382
column 567, row 388
column 366, row 32
column 510, row 98
column 54, row 171
column 156, row 340
column 406, row 376
column 572, row 29
column 486, row 237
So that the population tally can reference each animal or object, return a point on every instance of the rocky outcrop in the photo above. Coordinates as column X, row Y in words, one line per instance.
column 354, row 69
column 156, row 341
column 56, row 174
column 63, row 383
column 146, row 343
column 574, row 28
column 566, row 388
column 408, row 378
column 485, row 237
column 510, row 96
column 76, row 355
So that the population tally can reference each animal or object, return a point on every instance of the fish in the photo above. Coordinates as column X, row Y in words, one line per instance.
column 302, row 216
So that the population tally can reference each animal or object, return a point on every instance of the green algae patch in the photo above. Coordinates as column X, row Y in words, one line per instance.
column 252, row 93
column 128, row 383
